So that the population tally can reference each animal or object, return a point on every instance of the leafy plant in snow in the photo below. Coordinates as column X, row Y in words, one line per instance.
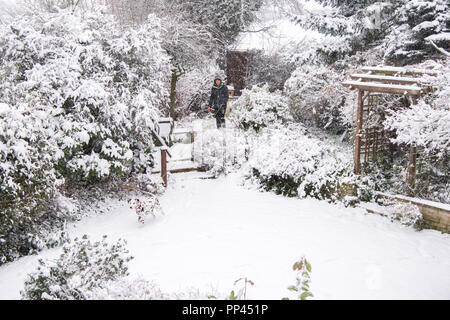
column 83, row 266
column 407, row 213
column 242, row 293
column 303, row 268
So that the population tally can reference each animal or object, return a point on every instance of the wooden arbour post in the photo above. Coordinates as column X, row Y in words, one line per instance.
column 390, row 80
column 412, row 163
column 359, row 122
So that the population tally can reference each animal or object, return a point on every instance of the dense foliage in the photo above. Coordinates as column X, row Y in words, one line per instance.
column 82, row 267
column 78, row 99
column 257, row 108
column 399, row 29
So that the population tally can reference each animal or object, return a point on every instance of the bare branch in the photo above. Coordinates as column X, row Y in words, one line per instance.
column 441, row 50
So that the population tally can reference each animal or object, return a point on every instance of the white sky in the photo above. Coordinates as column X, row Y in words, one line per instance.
column 281, row 31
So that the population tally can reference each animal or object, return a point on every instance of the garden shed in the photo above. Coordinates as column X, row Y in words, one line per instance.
column 237, row 62
column 371, row 83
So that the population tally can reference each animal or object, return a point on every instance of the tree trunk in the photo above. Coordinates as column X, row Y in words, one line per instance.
column 173, row 87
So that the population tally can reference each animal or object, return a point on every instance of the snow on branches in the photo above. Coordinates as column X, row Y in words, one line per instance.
column 258, row 108
column 316, row 96
column 92, row 91
column 426, row 124
column 291, row 162
column 78, row 98
column 82, row 267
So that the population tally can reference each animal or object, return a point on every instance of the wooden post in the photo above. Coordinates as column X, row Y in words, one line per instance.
column 359, row 120
column 412, row 170
column 192, row 136
column 164, row 166
column 412, row 163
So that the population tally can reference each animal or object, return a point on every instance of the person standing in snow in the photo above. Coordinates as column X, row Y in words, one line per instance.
column 218, row 101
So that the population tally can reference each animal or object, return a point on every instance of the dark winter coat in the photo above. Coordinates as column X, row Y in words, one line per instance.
column 219, row 98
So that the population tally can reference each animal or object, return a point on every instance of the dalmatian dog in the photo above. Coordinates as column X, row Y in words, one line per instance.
column 145, row 207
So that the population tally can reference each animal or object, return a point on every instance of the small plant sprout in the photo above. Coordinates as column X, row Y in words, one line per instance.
column 242, row 291
column 303, row 268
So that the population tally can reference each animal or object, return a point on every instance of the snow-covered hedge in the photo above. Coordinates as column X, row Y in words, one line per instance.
column 78, row 97
column 258, row 108
column 291, row 162
column 97, row 88
column 82, row 267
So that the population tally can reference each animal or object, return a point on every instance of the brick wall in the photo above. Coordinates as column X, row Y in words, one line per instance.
column 435, row 217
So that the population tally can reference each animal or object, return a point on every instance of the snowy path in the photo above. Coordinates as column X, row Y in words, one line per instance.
column 216, row 231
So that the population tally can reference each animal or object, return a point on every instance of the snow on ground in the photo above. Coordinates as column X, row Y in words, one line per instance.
column 216, row 231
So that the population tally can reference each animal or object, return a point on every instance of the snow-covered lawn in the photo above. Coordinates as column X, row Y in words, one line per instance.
column 216, row 231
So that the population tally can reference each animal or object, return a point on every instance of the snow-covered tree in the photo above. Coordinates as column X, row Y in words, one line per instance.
column 78, row 98
column 425, row 126
column 194, row 89
column 225, row 18
column 316, row 97
column 263, row 69
column 399, row 28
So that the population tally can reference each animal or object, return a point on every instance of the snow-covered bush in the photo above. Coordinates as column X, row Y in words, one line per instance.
column 316, row 97
column 82, row 267
column 258, row 108
column 100, row 87
column 78, row 98
column 124, row 289
column 407, row 213
column 141, row 289
column 27, row 180
column 293, row 163
column 218, row 151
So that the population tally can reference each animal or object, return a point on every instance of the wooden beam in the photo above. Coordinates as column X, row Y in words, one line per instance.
column 386, row 79
column 383, row 88
column 398, row 70
column 359, row 121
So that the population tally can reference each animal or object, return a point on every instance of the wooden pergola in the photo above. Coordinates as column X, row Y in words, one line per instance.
column 386, row 80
